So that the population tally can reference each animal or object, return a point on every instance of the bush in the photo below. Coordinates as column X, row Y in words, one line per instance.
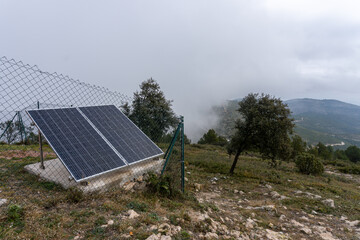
column 309, row 164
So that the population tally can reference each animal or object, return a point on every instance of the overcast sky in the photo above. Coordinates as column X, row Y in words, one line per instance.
column 201, row 52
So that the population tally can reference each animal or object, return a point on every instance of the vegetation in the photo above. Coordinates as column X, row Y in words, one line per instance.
column 151, row 111
column 212, row 138
column 56, row 213
column 353, row 153
column 265, row 125
column 309, row 164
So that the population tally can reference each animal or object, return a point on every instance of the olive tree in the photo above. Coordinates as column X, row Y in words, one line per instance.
column 265, row 125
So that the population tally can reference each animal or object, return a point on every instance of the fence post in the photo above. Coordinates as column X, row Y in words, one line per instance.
column 182, row 156
column 42, row 166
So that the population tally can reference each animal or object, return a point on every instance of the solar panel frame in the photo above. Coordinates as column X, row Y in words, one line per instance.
column 142, row 134
column 77, row 179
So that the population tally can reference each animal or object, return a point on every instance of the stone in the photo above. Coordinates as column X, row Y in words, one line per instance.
column 140, row 179
column 297, row 224
column 211, row 235
column 306, row 230
column 175, row 230
column 235, row 233
column 129, row 186
column 268, row 186
column 304, row 218
column 250, row 223
column 198, row 186
column 3, row 201
column 110, row 222
column 164, row 228
column 236, row 191
column 282, row 217
column 329, row 202
column 275, row 194
column 165, row 238
column 154, row 237
column 132, row 214
column 272, row 235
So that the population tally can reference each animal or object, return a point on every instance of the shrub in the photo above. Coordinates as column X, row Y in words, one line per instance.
column 74, row 195
column 309, row 164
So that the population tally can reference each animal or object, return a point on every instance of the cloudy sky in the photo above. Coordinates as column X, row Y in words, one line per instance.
column 201, row 52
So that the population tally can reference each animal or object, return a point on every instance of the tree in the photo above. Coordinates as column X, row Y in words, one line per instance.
column 325, row 152
column 151, row 111
column 298, row 146
column 12, row 130
column 264, row 124
column 340, row 154
column 211, row 137
column 353, row 153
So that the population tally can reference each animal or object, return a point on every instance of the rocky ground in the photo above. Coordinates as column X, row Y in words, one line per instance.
column 257, row 202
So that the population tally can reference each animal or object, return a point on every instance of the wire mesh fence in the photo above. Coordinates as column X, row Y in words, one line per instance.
column 24, row 87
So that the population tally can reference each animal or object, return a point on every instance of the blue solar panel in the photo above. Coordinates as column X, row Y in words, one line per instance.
column 78, row 145
column 122, row 134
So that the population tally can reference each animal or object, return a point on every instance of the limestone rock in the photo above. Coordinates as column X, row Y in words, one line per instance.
column 306, row 230
column 329, row 202
column 164, row 228
column 272, row 235
column 211, row 235
column 3, row 201
column 132, row 214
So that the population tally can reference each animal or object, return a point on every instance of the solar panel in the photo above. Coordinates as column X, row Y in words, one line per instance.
column 122, row 133
column 78, row 145
column 93, row 140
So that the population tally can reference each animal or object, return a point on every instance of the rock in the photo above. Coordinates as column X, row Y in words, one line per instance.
column 272, row 235
column 297, row 224
column 129, row 186
column 304, row 218
column 268, row 186
column 352, row 223
column 3, row 201
column 275, row 194
column 241, row 193
column 329, row 202
column 282, row 217
column 235, row 234
column 164, row 228
column 250, row 223
column 110, row 222
column 152, row 228
column 175, row 229
column 165, row 238
column 154, row 237
column 198, row 217
column 211, row 235
column 140, row 179
column 140, row 186
column 236, row 191
column 198, row 186
column 327, row 236
column 306, row 230
column 186, row 179
column 132, row 214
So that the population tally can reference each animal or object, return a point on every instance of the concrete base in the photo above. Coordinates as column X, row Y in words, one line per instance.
column 56, row 172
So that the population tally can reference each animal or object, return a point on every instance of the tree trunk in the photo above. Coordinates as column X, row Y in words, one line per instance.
column 235, row 161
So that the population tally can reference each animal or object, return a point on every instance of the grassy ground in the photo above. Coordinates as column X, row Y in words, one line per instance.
column 38, row 209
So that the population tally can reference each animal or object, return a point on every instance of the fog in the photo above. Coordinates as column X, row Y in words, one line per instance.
column 200, row 52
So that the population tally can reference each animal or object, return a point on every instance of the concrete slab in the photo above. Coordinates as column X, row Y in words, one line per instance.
column 56, row 172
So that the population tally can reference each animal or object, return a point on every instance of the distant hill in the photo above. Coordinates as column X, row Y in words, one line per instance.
column 328, row 121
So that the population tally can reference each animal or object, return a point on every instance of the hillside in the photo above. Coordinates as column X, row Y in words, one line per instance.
column 256, row 202
column 328, row 121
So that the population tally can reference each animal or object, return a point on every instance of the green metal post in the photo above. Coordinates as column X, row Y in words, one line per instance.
column 171, row 148
column 182, row 156
column 42, row 166
column 19, row 126
column 173, row 140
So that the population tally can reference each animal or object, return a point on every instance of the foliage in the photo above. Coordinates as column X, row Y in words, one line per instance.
column 137, row 206
column 264, row 124
column 309, row 164
column 162, row 185
column 353, row 153
column 151, row 111
column 212, row 138
column 340, row 154
column 169, row 136
column 74, row 195
column 298, row 146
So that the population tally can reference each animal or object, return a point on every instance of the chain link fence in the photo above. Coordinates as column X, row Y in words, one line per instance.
column 24, row 87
